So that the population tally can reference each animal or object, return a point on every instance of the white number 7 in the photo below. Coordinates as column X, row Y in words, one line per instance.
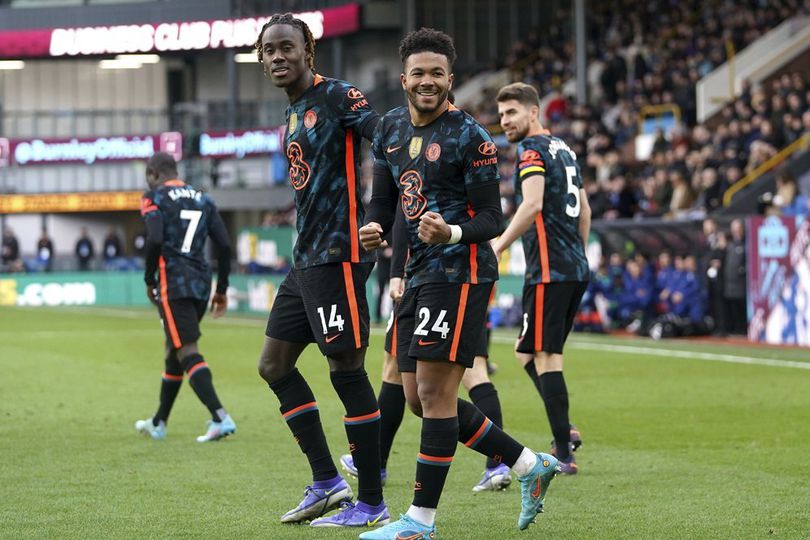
column 193, row 216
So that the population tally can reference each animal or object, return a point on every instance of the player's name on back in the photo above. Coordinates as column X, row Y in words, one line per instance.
column 184, row 193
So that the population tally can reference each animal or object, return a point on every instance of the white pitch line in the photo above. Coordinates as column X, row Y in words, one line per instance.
column 665, row 353
column 585, row 345
column 690, row 355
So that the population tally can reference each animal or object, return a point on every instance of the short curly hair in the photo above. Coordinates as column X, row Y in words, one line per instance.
column 427, row 40
column 289, row 18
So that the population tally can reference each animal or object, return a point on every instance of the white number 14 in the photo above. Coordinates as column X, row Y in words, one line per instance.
column 335, row 320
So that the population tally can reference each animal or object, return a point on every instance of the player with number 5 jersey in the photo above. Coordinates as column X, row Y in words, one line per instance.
column 553, row 217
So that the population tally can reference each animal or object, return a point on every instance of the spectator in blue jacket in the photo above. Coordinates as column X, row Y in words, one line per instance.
column 687, row 299
column 636, row 296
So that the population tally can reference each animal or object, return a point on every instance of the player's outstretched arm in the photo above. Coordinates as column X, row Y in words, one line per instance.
column 532, row 204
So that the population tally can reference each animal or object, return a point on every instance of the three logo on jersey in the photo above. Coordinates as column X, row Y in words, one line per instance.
column 299, row 169
column 413, row 202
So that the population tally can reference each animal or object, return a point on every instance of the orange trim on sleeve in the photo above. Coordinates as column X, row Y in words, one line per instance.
column 354, row 233
column 539, row 302
column 462, row 307
column 542, row 247
column 164, row 300
column 353, row 311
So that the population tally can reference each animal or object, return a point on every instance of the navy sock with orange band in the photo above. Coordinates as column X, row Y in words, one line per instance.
column 362, row 422
column 201, row 381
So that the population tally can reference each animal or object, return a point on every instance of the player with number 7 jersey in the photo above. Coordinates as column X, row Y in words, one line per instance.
column 179, row 219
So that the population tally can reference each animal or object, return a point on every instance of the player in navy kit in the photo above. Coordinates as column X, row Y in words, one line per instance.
column 179, row 219
column 392, row 396
column 553, row 219
column 441, row 165
column 322, row 300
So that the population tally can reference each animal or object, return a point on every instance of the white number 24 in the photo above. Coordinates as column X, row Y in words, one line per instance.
column 440, row 325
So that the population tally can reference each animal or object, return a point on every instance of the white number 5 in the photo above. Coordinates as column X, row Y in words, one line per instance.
column 193, row 216
column 572, row 211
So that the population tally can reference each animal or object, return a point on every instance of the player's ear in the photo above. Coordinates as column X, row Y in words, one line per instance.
column 450, row 82
column 534, row 110
column 402, row 80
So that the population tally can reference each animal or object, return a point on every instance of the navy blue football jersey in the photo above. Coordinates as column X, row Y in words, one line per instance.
column 323, row 150
column 433, row 166
column 188, row 216
column 553, row 246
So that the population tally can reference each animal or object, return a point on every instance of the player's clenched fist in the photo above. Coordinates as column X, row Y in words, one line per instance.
column 371, row 236
column 433, row 229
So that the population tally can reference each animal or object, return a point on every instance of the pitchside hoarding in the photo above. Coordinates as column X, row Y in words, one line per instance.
column 779, row 280
column 165, row 37
column 87, row 151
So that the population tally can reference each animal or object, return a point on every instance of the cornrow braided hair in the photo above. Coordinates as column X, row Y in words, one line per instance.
column 288, row 18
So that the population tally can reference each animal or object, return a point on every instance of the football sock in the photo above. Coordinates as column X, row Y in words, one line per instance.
column 300, row 410
column 170, row 385
column 485, row 397
column 392, row 408
column 478, row 432
column 425, row 516
column 531, row 371
column 525, row 462
column 555, row 396
column 362, row 423
column 199, row 377
column 438, row 445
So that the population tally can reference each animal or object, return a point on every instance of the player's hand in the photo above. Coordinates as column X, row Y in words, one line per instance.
column 497, row 248
column 396, row 287
column 433, row 229
column 219, row 305
column 151, row 294
column 371, row 236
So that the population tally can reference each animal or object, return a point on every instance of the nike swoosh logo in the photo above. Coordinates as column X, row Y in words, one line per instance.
column 370, row 523
column 389, row 149
column 331, row 339
column 330, row 491
column 416, row 536
column 536, row 492
column 427, row 342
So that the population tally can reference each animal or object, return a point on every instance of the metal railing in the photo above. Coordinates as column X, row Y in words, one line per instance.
column 801, row 143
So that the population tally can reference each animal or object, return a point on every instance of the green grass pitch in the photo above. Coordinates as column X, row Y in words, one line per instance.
column 681, row 440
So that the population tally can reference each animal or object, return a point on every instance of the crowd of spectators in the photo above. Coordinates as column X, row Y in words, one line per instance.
column 85, row 258
column 648, row 54
column 672, row 295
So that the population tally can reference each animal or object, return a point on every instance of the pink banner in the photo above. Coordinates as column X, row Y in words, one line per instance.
column 779, row 280
column 239, row 144
column 23, row 152
column 181, row 36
